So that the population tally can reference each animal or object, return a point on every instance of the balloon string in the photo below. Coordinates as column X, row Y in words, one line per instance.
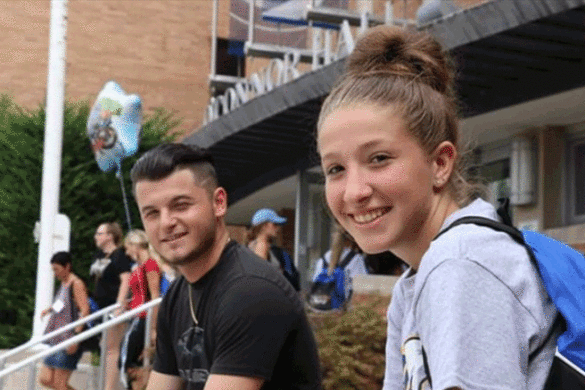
column 125, row 199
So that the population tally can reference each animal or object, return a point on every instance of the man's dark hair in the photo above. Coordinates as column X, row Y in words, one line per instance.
column 61, row 258
column 162, row 161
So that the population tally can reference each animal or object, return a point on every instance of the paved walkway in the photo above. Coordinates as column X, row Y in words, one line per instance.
column 84, row 378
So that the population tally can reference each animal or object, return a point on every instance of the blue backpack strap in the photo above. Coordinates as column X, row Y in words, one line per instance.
column 346, row 259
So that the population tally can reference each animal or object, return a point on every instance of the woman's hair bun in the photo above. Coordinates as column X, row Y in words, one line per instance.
column 392, row 51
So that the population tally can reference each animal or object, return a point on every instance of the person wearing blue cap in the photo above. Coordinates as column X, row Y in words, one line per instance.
column 266, row 225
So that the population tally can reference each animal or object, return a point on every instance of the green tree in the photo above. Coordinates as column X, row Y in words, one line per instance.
column 88, row 197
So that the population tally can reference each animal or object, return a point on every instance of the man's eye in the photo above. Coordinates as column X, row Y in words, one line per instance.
column 181, row 206
column 379, row 158
column 150, row 214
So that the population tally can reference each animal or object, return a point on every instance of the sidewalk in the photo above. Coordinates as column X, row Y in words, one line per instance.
column 84, row 378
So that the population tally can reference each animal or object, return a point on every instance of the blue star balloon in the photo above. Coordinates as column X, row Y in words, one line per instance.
column 114, row 125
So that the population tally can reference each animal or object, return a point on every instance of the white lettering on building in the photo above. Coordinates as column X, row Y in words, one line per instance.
column 281, row 71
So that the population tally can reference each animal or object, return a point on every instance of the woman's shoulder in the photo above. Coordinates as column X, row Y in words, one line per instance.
column 151, row 265
column 76, row 282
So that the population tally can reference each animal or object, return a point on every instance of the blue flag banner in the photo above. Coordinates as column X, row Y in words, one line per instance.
column 114, row 125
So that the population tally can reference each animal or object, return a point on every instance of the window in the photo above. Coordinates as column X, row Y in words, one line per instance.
column 494, row 169
column 229, row 62
column 576, row 181
column 497, row 177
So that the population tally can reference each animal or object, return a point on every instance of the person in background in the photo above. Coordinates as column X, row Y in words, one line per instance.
column 70, row 304
column 168, row 272
column 111, row 270
column 266, row 226
column 341, row 247
column 144, row 284
column 471, row 312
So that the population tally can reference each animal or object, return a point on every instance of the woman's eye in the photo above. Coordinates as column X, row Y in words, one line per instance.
column 333, row 170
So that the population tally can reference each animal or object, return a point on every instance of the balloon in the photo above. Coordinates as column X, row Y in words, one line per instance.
column 114, row 125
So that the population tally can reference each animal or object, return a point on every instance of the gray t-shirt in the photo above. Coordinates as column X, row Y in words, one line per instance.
column 471, row 316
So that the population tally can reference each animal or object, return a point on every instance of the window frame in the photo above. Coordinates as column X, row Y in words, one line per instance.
column 569, row 196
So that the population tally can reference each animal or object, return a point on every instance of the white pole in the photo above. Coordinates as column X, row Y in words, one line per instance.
column 213, row 64
column 251, row 10
column 51, row 158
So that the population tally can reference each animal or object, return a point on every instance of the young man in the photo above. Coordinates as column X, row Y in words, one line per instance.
column 230, row 321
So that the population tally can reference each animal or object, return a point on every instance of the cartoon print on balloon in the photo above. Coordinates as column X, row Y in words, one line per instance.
column 114, row 126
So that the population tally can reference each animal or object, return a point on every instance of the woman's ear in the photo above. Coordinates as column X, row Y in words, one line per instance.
column 443, row 161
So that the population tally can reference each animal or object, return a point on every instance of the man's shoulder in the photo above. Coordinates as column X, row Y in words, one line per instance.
column 241, row 262
column 176, row 292
column 245, row 274
column 119, row 255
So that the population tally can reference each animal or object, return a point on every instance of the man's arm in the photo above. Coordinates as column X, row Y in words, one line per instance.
column 158, row 381
column 229, row 382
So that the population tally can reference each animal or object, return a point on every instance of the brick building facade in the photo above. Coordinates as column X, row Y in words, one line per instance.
column 157, row 49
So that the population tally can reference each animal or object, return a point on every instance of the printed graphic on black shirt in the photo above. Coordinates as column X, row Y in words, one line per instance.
column 415, row 372
column 191, row 354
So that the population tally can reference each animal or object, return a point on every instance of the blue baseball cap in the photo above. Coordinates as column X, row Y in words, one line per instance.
column 267, row 215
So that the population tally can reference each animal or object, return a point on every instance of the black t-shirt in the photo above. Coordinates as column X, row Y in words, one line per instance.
column 108, row 284
column 251, row 323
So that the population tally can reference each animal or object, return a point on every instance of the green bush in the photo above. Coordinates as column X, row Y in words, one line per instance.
column 351, row 346
column 88, row 197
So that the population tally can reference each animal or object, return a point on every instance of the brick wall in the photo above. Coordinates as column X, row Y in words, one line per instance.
column 157, row 49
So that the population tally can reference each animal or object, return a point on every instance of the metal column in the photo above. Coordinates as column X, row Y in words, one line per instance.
column 301, row 223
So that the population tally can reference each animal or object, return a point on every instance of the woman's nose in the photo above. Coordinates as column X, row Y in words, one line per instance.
column 357, row 188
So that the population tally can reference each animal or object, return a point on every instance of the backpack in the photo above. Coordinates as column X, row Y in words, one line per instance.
column 288, row 266
column 92, row 343
column 165, row 283
column 331, row 291
column 562, row 270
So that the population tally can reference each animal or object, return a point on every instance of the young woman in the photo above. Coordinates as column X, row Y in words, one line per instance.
column 144, row 285
column 471, row 312
column 111, row 270
column 70, row 304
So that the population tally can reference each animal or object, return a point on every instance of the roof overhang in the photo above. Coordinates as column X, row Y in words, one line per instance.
column 508, row 51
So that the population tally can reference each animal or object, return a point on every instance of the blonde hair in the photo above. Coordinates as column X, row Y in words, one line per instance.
column 167, row 268
column 137, row 237
column 409, row 72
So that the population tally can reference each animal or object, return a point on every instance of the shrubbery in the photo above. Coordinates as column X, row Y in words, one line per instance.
column 351, row 345
column 88, row 197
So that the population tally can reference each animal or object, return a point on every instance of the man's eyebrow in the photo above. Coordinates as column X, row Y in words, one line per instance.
column 173, row 200
column 180, row 197
column 147, row 208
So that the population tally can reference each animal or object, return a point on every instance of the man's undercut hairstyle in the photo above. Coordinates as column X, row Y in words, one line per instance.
column 160, row 162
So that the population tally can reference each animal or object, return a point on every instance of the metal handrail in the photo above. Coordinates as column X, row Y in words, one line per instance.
column 56, row 332
column 80, row 337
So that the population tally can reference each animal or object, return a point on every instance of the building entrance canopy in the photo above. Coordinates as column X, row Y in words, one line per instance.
column 508, row 52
